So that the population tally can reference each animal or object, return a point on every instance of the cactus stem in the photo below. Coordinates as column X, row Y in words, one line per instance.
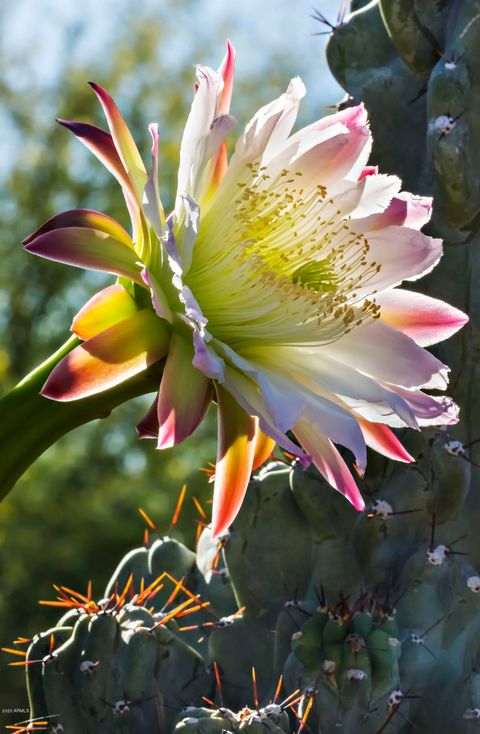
column 435, row 624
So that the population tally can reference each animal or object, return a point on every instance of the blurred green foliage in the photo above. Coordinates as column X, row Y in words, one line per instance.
column 74, row 513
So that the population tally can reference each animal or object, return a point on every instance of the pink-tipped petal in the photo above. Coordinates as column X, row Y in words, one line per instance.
column 109, row 358
column 106, row 308
column 425, row 320
column 329, row 463
column 404, row 210
column 148, row 426
column 236, row 448
column 123, row 140
column 88, row 218
column 368, row 171
column 382, row 439
column 227, row 71
column 101, row 144
column 354, row 118
column 330, row 151
column 369, row 196
column 87, row 248
column 184, row 397
column 419, row 209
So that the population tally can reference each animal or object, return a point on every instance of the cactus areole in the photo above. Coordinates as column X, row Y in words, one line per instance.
column 271, row 289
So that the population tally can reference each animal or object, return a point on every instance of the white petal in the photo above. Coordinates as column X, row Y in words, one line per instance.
column 246, row 393
column 159, row 299
column 329, row 463
column 219, row 129
column 283, row 406
column 152, row 205
column 197, row 128
column 331, row 152
column 401, row 254
column 371, row 195
column 405, row 209
column 270, row 127
column 426, row 320
column 339, row 425
column 206, row 360
column 386, row 354
column 287, row 400
column 186, row 230
column 431, row 410
column 324, row 376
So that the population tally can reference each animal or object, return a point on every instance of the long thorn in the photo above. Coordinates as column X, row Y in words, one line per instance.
column 200, row 509
column 149, row 522
column 278, row 689
column 304, row 718
column 218, row 681
column 255, row 690
column 178, row 508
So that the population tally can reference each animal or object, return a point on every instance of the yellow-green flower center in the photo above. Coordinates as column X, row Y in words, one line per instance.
column 280, row 264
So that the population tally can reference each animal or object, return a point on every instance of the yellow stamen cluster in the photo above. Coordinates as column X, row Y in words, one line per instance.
column 281, row 264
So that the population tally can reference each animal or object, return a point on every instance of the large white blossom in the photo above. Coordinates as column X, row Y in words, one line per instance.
column 272, row 289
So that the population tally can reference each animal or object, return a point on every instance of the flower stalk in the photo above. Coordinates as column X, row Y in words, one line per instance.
column 30, row 423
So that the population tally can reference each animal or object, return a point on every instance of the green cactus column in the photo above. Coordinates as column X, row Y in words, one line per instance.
column 416, row 66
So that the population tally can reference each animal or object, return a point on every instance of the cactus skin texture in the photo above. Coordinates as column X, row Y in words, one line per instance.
column 374, row 617
column 114, row 673
column 371, row 639
column 270, row 718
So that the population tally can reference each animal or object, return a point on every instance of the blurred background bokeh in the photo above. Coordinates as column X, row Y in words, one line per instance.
column 74, row 514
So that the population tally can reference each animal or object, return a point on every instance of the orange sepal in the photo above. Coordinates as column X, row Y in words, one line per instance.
column 236, row 448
